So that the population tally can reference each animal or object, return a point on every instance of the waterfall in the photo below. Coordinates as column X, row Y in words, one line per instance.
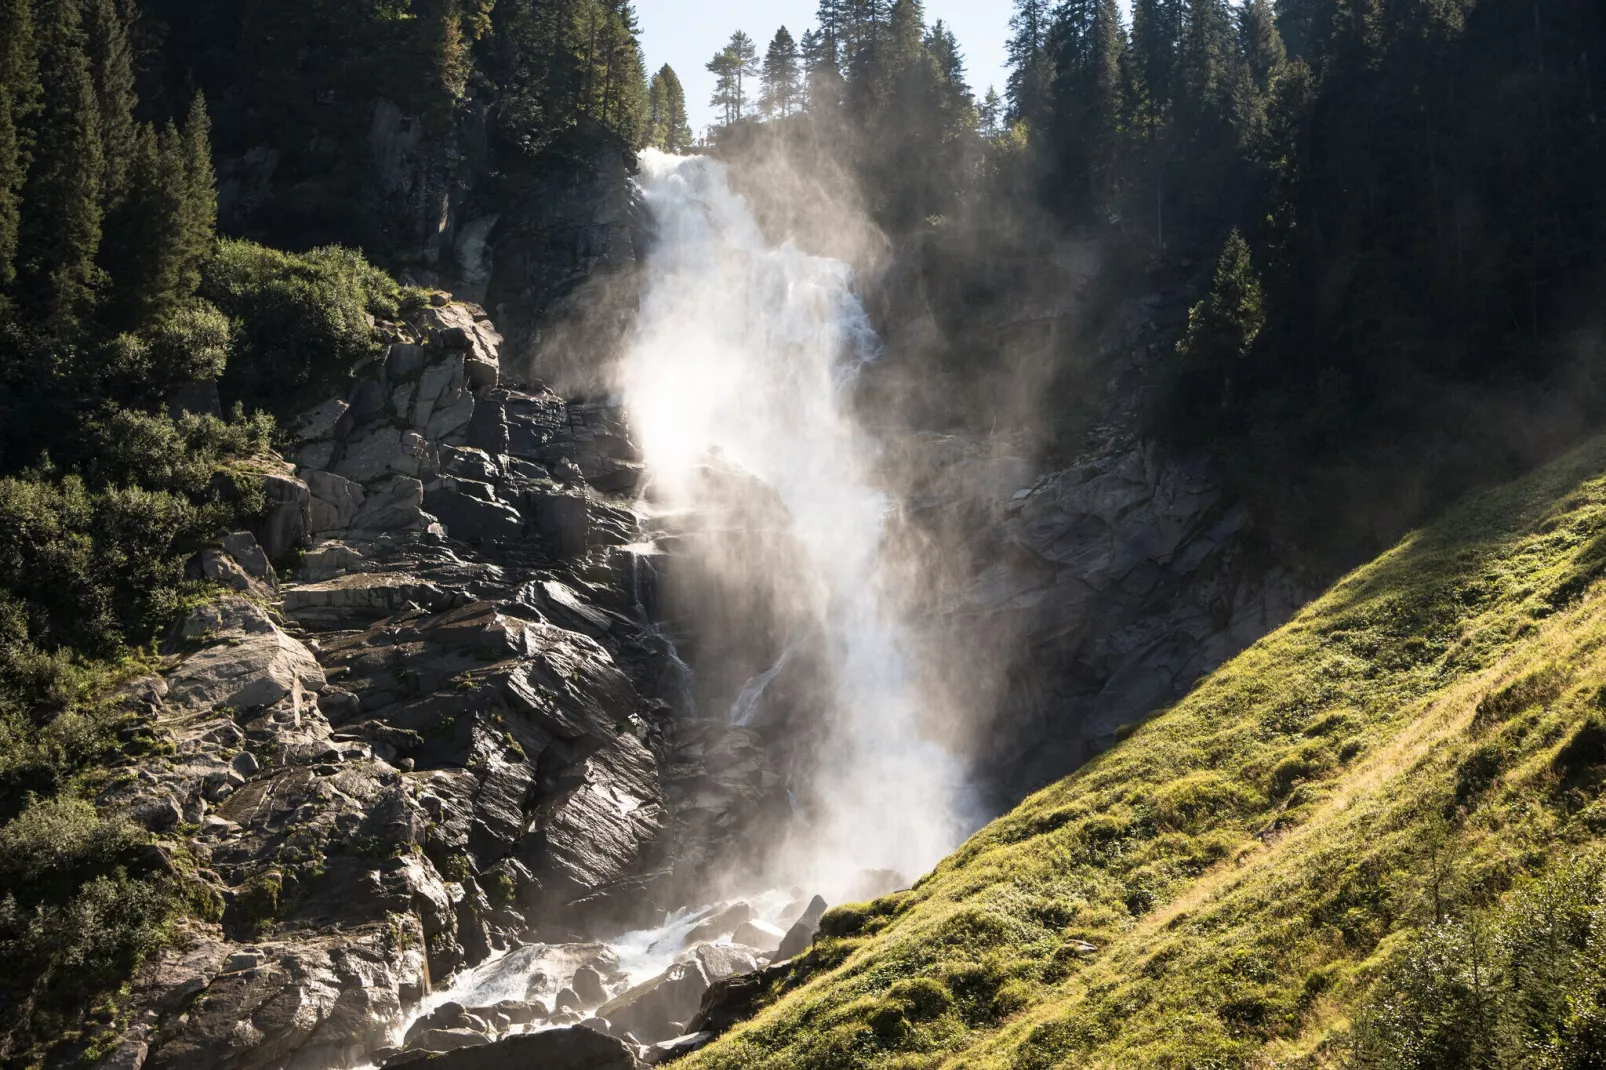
column 744, row 353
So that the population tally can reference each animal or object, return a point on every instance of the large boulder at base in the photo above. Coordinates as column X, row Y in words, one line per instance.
column 570, row 1048
column 659, row 1009
column 801, row 934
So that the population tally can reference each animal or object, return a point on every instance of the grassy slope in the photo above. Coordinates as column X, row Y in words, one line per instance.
column 1248, row 860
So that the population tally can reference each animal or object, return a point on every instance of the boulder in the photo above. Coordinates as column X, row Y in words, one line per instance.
column 360, row 598
column 334, row 503
column 368, row 454
column 250, row 662
column 672, row 1049
column 801, row 934
column 736, row 998
column 470, row 518
column 758, row 934
column 286, row 522
column 720, row 961
column 722, row 922
column 654, row 1010
column 596, row 832
column 571, row 1048
column 324, row 422
column 587, row 985
column 449, row 1039
column 242, row 546
column 395, row 505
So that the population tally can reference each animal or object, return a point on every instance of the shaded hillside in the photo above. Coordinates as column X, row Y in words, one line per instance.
column 1251, row 870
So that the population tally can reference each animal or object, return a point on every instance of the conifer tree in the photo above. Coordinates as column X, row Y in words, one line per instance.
column 1156, row 28
column 782, row 89
column 905, row 27
column 679, row 128
column 731, row 67
column 822, row 69
column 727, row 96
column 199, row 220
column 1205, row 67
column 111, row 60
column 668, row 129
column 1030, row 66
column 19, row 95
column 991, row 113
column 1262, row 45
column 60, row 225
column 1223, row 326
column 147, row 249
column 657, row 112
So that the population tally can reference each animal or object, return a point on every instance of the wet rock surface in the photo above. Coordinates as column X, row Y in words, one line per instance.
column 445, row 731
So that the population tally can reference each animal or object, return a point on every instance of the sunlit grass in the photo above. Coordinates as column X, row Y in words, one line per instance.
column 1246, row 863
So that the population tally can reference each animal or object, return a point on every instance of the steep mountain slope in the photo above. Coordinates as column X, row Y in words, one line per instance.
column 1232, row 882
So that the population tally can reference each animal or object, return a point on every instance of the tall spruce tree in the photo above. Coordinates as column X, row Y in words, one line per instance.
column 1223, row 327
column 1156, row 30
column 111, row 59
column 60, row 227
column 19, row 96
column 1088, row 100
column 1261, row 43
column 668, row 129
column 782, row 83
column 1030, row 65
column 199, row 220
column 1205, row 68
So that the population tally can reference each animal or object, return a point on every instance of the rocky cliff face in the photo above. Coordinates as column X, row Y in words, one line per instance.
column 445, row 730
column 1084, row 597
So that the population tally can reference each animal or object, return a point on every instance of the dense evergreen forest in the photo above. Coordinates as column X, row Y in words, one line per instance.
column 1390, row 213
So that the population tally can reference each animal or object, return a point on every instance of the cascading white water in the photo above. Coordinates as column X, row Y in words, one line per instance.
column 743, row 350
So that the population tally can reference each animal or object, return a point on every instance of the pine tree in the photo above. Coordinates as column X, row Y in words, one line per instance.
column 727, row 96
column 782, row 88
column 147, row 248
column 657, row 112
column 1088, row 103
column 822, row 67
column 1262, row 45
column 905, row 28
column 19, row 95
column 1156, row 29
column 678, row 135
column 1030, row 66
column 111, row 60
column 731, row 67
column 667, row 127
column 1223, row 326
column 59, row 232
column 991, row 113
column 1205, row 67
column 199, row 222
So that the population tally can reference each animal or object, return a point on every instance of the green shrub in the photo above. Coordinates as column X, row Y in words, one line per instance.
column 83, row 906
column 300, row 319
column 1519, row 985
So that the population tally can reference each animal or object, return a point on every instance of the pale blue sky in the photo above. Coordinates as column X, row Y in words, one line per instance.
column 686, row 35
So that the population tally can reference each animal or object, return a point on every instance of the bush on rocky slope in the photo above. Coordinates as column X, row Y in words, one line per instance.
column 1266, row 860
column 300, row 319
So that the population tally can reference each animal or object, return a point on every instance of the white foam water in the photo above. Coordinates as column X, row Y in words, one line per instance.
column 743, row 350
